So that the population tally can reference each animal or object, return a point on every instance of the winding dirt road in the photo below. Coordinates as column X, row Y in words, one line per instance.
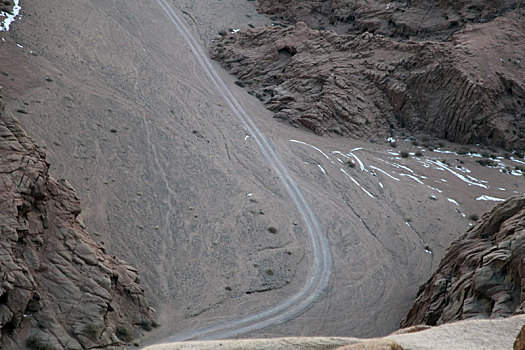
column 322, row 259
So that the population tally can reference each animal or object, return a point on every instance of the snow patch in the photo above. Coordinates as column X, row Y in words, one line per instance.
column 357, row 183
column 9, row 17
column 489, row 198
column 317, row 149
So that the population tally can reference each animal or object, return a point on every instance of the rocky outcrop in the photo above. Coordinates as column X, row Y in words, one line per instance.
column 58, row 288
column 469, row 89
column 482, row 274
column 398, row 19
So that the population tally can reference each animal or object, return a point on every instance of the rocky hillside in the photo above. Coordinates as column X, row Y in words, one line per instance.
column 482, row 273
column 398, row 19
column 467, row 89
column 58, row 288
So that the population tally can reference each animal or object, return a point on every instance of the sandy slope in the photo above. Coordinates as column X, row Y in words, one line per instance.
column 472, row 334
column 163, row 166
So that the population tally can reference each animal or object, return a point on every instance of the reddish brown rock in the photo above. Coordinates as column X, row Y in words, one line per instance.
column 468, row 89
column 519, row 344
column 482, row 274
column 57, row 286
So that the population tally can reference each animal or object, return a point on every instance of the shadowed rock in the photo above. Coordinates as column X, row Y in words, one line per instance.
column 481, row 275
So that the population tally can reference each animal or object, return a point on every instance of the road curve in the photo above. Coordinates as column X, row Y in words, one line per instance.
column 319, row 272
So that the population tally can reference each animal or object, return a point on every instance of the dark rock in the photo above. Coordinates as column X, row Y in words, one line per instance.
column 365, row 84
column 481, row 275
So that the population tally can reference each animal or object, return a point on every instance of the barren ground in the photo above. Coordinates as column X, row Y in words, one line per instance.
column 170, row 182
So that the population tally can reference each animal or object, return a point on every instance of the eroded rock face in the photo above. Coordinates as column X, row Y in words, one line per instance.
column 398, row 19
column 57, row 286
column 469, row 89
column 482, row 274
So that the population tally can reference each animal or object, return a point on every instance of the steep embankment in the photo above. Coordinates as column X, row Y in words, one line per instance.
column 467, row 89
column 58, row 288
column 482, row 273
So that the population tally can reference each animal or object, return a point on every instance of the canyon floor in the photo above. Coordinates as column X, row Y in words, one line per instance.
column 171, row 182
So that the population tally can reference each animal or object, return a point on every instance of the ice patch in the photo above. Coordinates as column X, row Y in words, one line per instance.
column 9, row 17
column 489, row 198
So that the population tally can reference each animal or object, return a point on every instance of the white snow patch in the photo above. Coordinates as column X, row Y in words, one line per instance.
column 249, row 194
column 452, row 201
column 413, row 178
column 9, row 17
column 502, row 189
column 459, row 176
column 391, row 139
column 445, row 152
column 381, row 185
column 357, row 183
column 359, row 161
column 443, row 180
column 322, row 169
column 489, row 198
column 246, row 137
column 317, row 149
column 428, row 251
column 20, row 46
column 384, row 172
column 235, row 31
column 435, row 189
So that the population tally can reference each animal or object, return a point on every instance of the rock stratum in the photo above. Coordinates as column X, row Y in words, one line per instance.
column 58, row 287
column 467, row 87
column 482, row 274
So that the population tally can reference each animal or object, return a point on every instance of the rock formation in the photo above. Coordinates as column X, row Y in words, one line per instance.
column 482, row 274
column 58, row 288
column 467, row 89
column 397, row 19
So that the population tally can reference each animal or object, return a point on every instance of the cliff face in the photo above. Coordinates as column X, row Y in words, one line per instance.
column 482, row 274
column 58, row 288
column 467, row 89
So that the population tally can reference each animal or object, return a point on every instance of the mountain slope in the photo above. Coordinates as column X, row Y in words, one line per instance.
column 57, row 286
